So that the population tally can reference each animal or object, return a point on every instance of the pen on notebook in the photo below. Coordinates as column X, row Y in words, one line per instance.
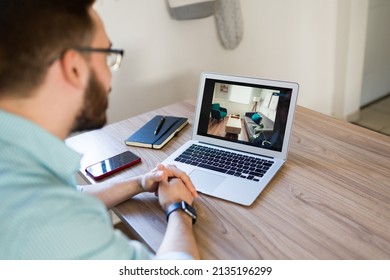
column 159, row 125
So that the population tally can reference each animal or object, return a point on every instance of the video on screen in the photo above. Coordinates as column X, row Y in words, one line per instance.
column 247, row 114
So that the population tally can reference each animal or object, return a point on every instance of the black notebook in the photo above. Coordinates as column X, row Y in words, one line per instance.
column 146, row 136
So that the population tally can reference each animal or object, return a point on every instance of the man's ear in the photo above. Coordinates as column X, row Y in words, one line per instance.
column 75, row 68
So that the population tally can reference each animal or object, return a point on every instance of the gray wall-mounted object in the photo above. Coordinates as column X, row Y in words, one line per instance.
column 230, row 24
column 227, row 13
column 190, row 9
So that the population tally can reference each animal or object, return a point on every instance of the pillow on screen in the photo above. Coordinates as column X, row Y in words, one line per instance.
column 256, row 118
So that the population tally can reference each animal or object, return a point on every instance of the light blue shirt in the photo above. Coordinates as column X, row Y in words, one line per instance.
column 42, row 215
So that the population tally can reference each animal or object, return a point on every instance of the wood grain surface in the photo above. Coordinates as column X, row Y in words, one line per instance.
column 331, row 200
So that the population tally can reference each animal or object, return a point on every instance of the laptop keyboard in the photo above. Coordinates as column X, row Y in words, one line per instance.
column 238, row 165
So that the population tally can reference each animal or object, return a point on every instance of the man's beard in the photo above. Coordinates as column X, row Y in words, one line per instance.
column 93, row 112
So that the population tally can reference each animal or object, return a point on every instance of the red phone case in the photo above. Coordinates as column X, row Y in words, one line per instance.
column 134, row 161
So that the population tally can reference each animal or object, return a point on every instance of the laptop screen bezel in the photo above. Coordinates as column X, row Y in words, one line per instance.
column 256, row 82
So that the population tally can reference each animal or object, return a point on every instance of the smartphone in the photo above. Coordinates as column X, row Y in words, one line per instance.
column 112, row 165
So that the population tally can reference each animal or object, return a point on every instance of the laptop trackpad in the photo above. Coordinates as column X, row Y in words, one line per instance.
column 205, row 181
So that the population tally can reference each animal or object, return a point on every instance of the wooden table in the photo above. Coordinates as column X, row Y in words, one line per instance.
column 331, row 200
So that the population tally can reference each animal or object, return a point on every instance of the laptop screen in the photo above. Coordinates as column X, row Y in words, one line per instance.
column 246, row 113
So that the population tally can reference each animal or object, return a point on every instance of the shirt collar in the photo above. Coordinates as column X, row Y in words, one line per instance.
column 44, row 147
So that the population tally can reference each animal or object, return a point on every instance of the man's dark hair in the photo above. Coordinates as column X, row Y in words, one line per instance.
column 35, row 32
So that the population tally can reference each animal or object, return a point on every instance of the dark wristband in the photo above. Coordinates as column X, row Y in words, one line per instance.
column 184, row 206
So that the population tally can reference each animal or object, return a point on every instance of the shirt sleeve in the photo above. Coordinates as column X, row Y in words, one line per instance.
column 174, row 256
column 75, row 226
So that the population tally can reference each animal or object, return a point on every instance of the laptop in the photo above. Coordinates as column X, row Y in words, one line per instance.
column 241, row 134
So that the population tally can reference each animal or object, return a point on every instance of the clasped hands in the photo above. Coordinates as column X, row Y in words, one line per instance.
column 170, row 184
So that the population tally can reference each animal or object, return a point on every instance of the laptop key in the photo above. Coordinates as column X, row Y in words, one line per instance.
column 214, row 168
column 256, row 174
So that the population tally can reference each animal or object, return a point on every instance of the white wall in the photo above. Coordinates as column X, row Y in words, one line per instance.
column 376, row 79
column 349, row 58
column 288, row 40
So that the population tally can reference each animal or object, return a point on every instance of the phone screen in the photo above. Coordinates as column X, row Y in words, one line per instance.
column 111, row 165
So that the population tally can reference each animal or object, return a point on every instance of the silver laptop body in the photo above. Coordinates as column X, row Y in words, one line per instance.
column 240, row 121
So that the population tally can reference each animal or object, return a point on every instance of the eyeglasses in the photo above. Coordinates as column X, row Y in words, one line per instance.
column 114, row 56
